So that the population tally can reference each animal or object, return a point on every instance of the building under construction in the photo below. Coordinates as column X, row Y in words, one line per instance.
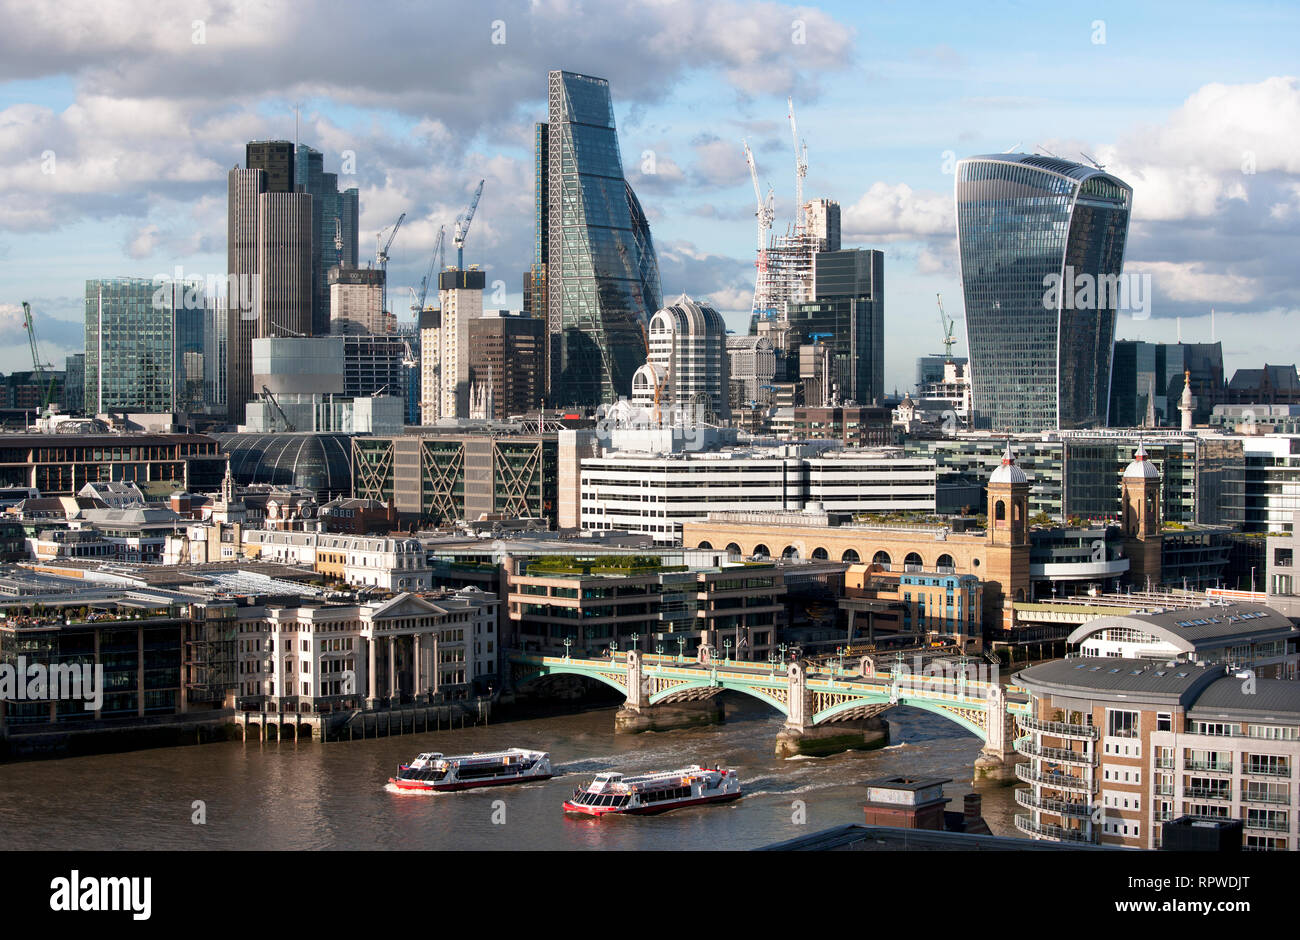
column 786, row 263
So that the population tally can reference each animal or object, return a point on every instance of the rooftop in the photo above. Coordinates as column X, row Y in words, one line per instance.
column 1120, row 678
column 860, row 838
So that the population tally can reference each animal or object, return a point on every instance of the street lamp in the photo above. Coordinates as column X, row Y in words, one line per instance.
column 681, row 647
column 568, row 642
column 839, row 651
column 636, row 641
column 727, row 646
column 613, row 648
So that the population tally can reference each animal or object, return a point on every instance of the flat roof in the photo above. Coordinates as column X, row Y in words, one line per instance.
column 1261, row 699
column 1145, row 678
column 1191, row 628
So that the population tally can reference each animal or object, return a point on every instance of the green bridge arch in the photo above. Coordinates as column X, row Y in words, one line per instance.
column 721, row 687
column 934, row 708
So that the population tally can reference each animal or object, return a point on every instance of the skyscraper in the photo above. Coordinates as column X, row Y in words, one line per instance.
column 594, row 252
column 269, row 257
column 460, row 297
column 334, row 228
column 847, row 312
column 1039, row 360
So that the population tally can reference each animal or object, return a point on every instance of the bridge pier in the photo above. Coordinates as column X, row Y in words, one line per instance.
column 861, row 734
column 997, row 761
column 666, row 717
column 997, row 768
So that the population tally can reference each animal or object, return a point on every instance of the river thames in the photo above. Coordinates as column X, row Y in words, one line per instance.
column 307, row 796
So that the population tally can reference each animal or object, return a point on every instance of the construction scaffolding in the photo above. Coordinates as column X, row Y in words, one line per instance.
column 785, row 262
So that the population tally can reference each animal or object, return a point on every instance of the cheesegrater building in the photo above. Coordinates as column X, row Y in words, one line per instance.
column 593, row 251
column 1038, row 361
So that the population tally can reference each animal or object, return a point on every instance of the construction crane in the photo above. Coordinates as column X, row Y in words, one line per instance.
column 381, row 258
column 288, row 425
column 948, row 325
column 435, row 265
column 800, row 171
column 462, row 227
column 47, row 390
column 765, row 213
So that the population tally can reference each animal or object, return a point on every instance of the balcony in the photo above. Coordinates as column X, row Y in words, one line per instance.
column 1027, row 746
column 1251, row 796
column 1267, row 825
column 1055, row 833
column 1079, row 810
column 1217, row 767
column 1059, row 729
column 1207, row 793
column 1028, row 774
column 1266, row 770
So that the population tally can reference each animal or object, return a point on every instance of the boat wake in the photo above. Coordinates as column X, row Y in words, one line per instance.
column 392, row 788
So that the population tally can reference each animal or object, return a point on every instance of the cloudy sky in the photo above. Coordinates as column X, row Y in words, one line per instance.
column 119, row 121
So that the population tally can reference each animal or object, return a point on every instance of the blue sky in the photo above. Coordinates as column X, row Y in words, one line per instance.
column 143, row 123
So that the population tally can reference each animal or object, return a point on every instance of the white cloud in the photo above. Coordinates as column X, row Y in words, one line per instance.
column 893, row 212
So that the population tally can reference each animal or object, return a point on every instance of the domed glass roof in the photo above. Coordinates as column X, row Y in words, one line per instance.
column 321, row 463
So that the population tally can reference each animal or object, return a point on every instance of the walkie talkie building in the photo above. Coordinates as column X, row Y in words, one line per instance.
column 593, row 248
column 1040, row 357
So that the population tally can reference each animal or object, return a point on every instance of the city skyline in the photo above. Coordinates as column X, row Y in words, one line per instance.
column 1211, row 234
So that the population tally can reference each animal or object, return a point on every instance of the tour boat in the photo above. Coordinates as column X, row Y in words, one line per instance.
column 645, row 794
column 434, row 772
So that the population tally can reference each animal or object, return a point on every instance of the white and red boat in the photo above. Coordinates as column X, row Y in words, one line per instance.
column 433, row 771
column 645, row 794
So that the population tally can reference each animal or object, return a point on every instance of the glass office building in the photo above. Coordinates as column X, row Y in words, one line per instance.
column 848, row 314
column 593, row 245
column 334, row 228
column 1040, row 359
column 131, row 363
column 1147, row 382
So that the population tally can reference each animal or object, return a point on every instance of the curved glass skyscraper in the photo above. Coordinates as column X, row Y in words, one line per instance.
column 1030, row 229
column 594, row 248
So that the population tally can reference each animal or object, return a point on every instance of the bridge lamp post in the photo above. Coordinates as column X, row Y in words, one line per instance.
column 568, row 642
column 613, row 648
column 681, row 647
column 659, row 649
column 839, row 652
column 726, row 644
column 772, row 660
column 636, row 641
